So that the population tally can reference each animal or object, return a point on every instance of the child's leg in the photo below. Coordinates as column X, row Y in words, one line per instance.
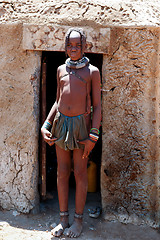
column 63, row 174
column 80, row 172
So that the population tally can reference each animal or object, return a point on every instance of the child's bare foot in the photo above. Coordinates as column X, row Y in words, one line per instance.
column 59, row 229
column 75, row 229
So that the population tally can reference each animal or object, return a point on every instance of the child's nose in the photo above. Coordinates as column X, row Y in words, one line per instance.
column 74, row 48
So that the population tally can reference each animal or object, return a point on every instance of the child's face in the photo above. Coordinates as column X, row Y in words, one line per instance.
column 74, row 46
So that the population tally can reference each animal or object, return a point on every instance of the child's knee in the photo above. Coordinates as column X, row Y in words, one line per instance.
column 80, row 173
column 64, row 173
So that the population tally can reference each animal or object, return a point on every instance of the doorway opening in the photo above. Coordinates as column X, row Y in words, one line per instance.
column 53, row 60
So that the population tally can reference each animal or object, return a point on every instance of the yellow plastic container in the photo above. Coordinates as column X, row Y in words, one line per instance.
column 92, row 177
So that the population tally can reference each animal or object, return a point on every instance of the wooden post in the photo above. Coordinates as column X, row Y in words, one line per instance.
column 43, row 117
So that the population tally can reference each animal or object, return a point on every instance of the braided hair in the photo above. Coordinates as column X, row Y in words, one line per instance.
column 82, row 36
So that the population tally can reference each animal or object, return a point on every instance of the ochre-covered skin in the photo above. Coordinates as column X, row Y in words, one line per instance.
column 72, row 100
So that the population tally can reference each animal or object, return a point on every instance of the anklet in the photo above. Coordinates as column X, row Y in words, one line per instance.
column 62, row 214
column 80, row 216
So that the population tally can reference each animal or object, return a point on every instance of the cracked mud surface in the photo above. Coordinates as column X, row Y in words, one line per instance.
column 100, row 12
column 36, row 227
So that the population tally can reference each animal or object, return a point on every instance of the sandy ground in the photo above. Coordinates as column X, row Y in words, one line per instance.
column 37, row 227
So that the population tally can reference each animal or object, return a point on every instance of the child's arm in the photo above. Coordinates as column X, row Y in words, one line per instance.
column 47, row 136
column 96, row 118
column 96, row 98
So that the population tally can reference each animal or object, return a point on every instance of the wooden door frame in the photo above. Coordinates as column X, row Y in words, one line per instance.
column 43, row 144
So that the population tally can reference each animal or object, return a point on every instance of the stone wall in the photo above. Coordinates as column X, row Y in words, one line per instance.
column 19, row 98
column 130, row 160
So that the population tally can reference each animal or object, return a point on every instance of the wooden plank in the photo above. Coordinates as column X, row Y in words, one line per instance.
column 43, row 117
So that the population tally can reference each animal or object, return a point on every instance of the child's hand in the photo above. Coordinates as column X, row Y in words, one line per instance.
column 88, row 147
column 47, row 136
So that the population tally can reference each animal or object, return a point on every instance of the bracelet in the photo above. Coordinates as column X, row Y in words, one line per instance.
column 95, row 129
column 47, row 124
column 92, row 140
column 93, row 137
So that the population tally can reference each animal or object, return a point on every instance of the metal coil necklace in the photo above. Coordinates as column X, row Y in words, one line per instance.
column 77, row 64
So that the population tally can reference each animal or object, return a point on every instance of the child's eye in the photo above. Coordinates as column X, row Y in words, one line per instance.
column 77, row 46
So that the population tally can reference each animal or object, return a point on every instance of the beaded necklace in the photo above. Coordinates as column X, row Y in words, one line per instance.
column 77, row 64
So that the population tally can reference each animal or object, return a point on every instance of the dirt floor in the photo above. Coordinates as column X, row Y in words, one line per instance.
column 17, row 226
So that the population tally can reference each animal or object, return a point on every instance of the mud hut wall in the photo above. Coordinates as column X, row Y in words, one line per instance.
column 130, row 158
column 130, row 106
column 157, row 130
column 19, row 97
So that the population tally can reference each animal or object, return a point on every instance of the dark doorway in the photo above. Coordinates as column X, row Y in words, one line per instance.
column 53, row 60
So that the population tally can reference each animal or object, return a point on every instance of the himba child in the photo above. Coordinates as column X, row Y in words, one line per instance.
column 73, row 131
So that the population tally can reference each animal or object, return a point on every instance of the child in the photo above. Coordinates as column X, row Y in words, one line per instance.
column 78, row 85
